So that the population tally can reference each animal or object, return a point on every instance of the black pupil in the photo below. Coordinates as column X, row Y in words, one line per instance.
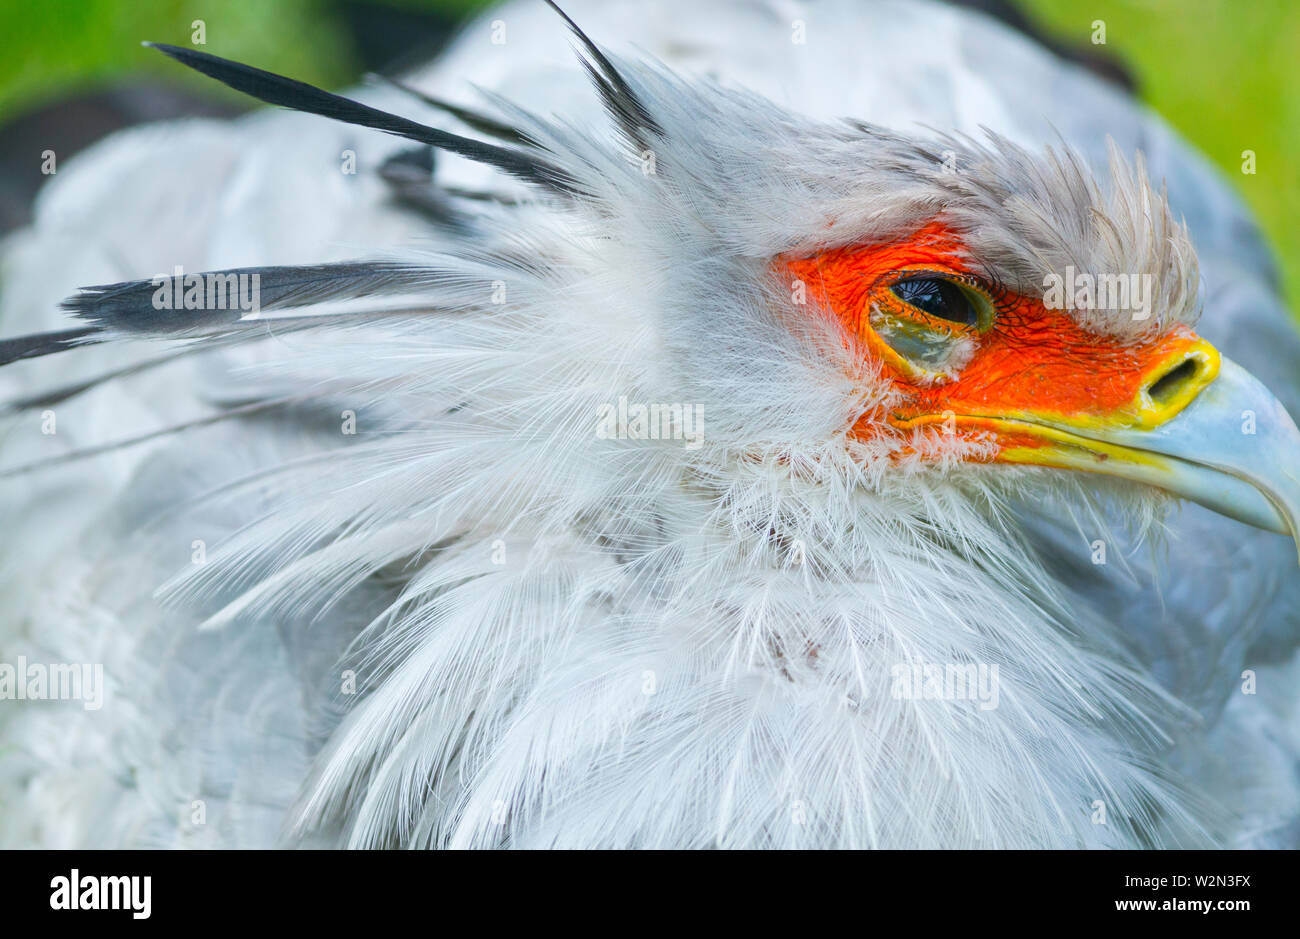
column 937, row 297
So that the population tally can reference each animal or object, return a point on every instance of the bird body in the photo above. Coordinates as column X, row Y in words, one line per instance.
column 642, row 527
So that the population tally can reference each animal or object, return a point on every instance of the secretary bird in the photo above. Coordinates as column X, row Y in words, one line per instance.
column 723, row 442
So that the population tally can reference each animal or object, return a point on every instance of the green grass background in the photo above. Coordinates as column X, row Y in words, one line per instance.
column 1226, row 73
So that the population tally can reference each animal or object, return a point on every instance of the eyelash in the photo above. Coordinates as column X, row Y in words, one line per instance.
column 990, row 290
column 989, row 287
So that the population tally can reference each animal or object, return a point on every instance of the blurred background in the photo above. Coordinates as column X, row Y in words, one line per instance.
column 1225, row 73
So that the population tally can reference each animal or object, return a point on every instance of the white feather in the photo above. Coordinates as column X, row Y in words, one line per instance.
column 560, row 639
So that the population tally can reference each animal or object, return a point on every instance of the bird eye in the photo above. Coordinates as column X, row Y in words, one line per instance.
column 930, row 325
column 939, row 298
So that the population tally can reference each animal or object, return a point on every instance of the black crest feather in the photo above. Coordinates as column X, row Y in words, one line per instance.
column 619, row 98
column 129, row 307
column 286, row 92
column 34, row 345
column 480, row 122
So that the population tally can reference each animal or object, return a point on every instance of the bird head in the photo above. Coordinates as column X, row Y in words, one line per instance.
column 997, row 306
column 866, row 320
column 985, row 305
column 1014, row 375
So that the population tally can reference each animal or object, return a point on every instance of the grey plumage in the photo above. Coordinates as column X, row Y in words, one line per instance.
column 410, row 536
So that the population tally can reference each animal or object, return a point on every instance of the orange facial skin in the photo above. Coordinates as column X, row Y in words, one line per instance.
column 1032, row 365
